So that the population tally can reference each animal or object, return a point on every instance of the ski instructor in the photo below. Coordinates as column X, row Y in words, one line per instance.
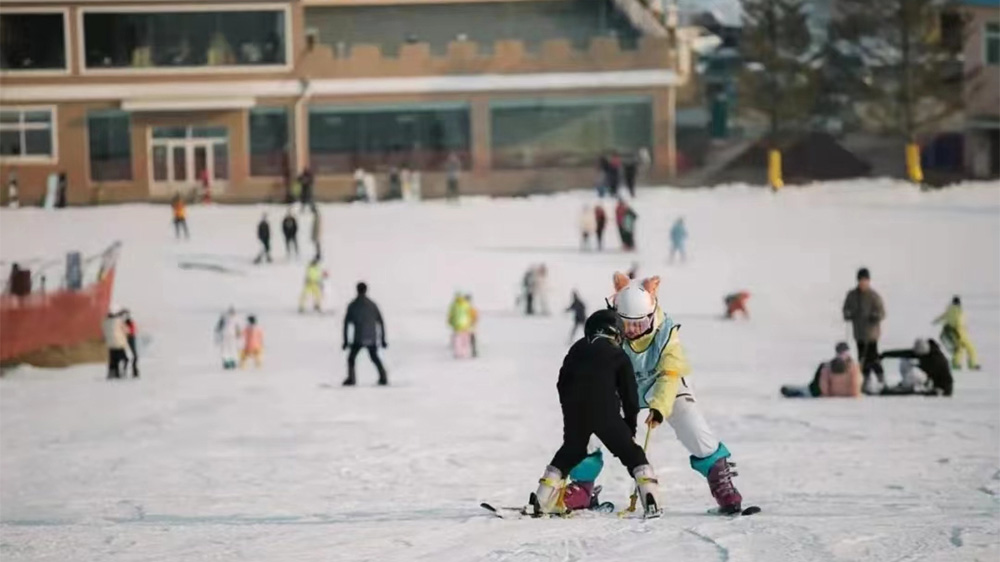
column 369, row 330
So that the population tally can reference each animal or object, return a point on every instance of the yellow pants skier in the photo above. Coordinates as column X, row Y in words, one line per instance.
column 955, row 334
column 313, row 291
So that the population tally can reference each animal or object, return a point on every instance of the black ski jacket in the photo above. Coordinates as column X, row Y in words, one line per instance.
column 597, row 381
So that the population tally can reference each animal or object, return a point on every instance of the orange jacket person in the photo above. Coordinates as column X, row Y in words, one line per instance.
column 253, row 342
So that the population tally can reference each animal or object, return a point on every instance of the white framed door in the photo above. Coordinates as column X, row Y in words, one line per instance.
column 183, row 157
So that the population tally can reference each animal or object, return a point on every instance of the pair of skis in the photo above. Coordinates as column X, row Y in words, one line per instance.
column 509, row 512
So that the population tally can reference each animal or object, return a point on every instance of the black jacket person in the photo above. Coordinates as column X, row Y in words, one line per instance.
column 931, row 360
column 369, row 331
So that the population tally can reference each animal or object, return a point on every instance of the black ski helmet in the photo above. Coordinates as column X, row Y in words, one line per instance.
column 604, row 322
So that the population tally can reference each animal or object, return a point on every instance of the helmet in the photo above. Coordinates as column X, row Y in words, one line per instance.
column 921, row 346
column 604, row 323
column 636, row 307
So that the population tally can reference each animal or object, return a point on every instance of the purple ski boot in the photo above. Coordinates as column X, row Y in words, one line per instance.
column 720, row 482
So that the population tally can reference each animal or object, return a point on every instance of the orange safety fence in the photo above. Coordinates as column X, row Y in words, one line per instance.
column 62, row 318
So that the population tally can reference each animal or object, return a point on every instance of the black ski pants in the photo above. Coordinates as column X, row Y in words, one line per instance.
column 580, row 423
column 372, row 352
column 868, row 358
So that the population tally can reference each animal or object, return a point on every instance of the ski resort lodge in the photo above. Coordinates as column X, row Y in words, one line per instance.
column 140, row 99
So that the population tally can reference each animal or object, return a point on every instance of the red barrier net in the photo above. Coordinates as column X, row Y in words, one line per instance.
column 61, row 318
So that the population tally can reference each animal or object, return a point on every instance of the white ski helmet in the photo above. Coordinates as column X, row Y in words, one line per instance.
column 636, row 307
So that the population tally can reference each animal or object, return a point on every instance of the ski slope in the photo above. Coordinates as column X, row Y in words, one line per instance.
column 282, row 464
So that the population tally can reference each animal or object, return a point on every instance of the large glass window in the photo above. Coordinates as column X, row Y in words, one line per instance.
column 32, row 42
column 27, row 133
column 567, row 132
column 110, row 142
column 269, row 141
column 184, row 39
column 991, row 43
column 342, row 139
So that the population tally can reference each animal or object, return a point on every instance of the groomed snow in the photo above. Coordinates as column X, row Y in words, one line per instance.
column 282, row 464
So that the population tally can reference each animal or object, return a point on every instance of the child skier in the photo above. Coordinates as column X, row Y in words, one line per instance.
column 313, row 287
column 460, row 320
column 654, row 348
column 253, row 342
column 596, row 384
column 227, row 333
column 955, row 335
column 579, row 311
column 678, row 239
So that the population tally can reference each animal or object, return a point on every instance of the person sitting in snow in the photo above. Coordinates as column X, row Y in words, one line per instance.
column 737, row 302
column 841, row 376
column 931, row 360
column 955, row 335
column 653, row 345
column 596, row 385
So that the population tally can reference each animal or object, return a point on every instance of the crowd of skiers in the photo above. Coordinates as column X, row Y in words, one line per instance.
column 616, row 170
column 594, row 219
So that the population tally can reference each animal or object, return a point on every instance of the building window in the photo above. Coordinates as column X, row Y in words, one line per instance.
column 991, row 43
column 567, row 132
column 27, row 134
column 184, row 39
column 422, row 137
column 110, row 140
column 32, row 42
column 269, row 141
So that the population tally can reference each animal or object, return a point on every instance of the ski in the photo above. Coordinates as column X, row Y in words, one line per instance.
column 751, row 510
column 511, row 512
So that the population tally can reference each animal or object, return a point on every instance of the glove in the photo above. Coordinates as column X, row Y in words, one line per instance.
column 654, row 418
column 345, row 345
column 384, row 345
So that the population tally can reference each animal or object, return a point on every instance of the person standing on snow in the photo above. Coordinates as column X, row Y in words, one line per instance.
column 625, row 218
column 130, row 335
column 955, row 335
column 369, row 329
column 863, row 308
column 227, row 334
column 253, row 342
column 453, row 168
column 290, row 229
column 180, row 217
column 313, row 287
column 474, row 315
column 527, row 291
column 587, row 226
column 116, row 340
column 460, row 321
column 653, row 345
column 600, row 221
column 630, row 168
column 264, row 235
column 317, row 233
column 306, row 181
column 678, row 239
column 579, row 311
column 540, row 288
column 596, row 386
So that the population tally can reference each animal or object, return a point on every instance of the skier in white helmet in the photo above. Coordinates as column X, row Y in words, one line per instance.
column 654, row 348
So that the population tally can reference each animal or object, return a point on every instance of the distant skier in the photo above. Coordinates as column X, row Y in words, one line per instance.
column 579, row 311
column 264, row 236
column 630, row 168
column 474, row 314
column 658, row 359
column 317, row 233
column 678, row 239
column 527, row 291
column 312, row 288
column 540, row 288
column 841, row 376
column 587, row 226
column 116, row 340
column 227, row 335
column 863, row 308
column 290, row 230
column 306, row 181
column 927, row 355
column 460, row 321
column 13, row 192
column 600, row 221
column 369, row 330
column 625, row 217
column 596, row 385
column 130, row 335
column 955, row 335
column 453, row 169
column 737, row 302
column 180, row 217
column 253, row 342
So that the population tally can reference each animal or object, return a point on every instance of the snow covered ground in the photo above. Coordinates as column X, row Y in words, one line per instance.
column 281, row 463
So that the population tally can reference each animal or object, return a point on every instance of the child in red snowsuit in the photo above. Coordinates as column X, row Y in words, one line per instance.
column 737, row 302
